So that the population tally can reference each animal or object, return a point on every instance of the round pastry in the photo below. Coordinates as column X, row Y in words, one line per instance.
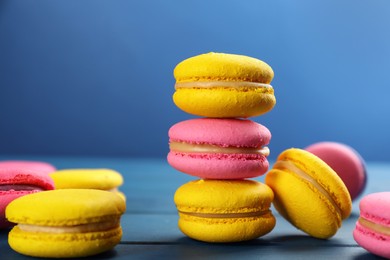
column 65, row 223
column 36, row 166
column 100, row 179
column 224, row 211
column 224, row 85
column 372, row 230
column 219, row 148
column 15, row 183
column 308, row 193
column 345, row 161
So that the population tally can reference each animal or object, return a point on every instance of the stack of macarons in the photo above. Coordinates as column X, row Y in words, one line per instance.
column 222, row 148
column 60, row 213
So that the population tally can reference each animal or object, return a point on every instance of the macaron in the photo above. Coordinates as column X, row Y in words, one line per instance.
column 309, row 193
column 219, row 148
column 346, row 162
column 65, row 223
column 224, row 85
column 15, row 183
column 224, row 211
column 100, row 179
column 372, row 231
column 37, row 166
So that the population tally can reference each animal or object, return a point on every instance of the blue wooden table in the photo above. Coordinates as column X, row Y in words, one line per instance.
column 150, row 223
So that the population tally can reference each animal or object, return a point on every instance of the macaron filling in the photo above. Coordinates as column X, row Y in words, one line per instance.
column 291, row 167
column 222, row 84
column 227, row 215
column 20, row 187
column 385, row 230
column 84, row 228
column 209, row 148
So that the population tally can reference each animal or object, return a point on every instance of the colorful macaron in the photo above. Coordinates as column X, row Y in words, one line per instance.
column 309, row 193
column 36, row 166
column 224, row 85
column 345, row 161
column 372, row 231
column 15, row 183
column 100, row 179
column 219, row 148
column 224, row 211
column 65, row 223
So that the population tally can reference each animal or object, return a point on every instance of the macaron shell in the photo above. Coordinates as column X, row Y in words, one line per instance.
column 225, row 102
column 378, row 244
column 37, row 166
column 226, row 230
column 375, row 207
column 66, row 207
column 63, row 245
column 220, row 132
column 219, row 166
column 345, row 161
column 227, row 196
column 222, row 66
column 103, row 179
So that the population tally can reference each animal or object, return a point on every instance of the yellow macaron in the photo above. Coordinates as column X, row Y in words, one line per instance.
column 224, row 85
column 65, row 223
column 100, row 179
column 308, row 193
column 224, row 211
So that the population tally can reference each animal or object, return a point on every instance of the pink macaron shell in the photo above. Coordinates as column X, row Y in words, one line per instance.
column 20, row 178
column 31, row 165
column 219, row 166
column 221, row 132
column 375, row 208
column 345, row 161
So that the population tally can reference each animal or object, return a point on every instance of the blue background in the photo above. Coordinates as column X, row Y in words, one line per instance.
column 95, row 78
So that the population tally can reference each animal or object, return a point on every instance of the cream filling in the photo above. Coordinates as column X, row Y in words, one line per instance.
column 93, row 227
column 291, row 166
column 208, row 148
column 19, row 187
column 374, row 226
column 229, row 215
column 221, row 84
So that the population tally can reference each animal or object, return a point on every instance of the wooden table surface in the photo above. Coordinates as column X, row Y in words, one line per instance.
column 150, row 223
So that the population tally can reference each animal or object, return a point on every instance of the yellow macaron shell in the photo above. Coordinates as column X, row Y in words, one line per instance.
column 231, row 93
column 308, row 193
column 224, row 211
column 102, row 179
column 65, row 223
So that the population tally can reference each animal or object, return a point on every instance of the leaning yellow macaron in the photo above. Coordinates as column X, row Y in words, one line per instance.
column 308, row 193
column 100, row 179
column 65, row 223
column 224, row 85
column 224, row 211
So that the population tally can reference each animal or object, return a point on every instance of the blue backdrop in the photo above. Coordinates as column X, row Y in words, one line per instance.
column 96, row 77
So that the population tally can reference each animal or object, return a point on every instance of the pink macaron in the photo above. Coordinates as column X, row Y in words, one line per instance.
column 345, row 161
column 212, row 148
column 372, row 231
column 15, row 183
column 31, row 165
